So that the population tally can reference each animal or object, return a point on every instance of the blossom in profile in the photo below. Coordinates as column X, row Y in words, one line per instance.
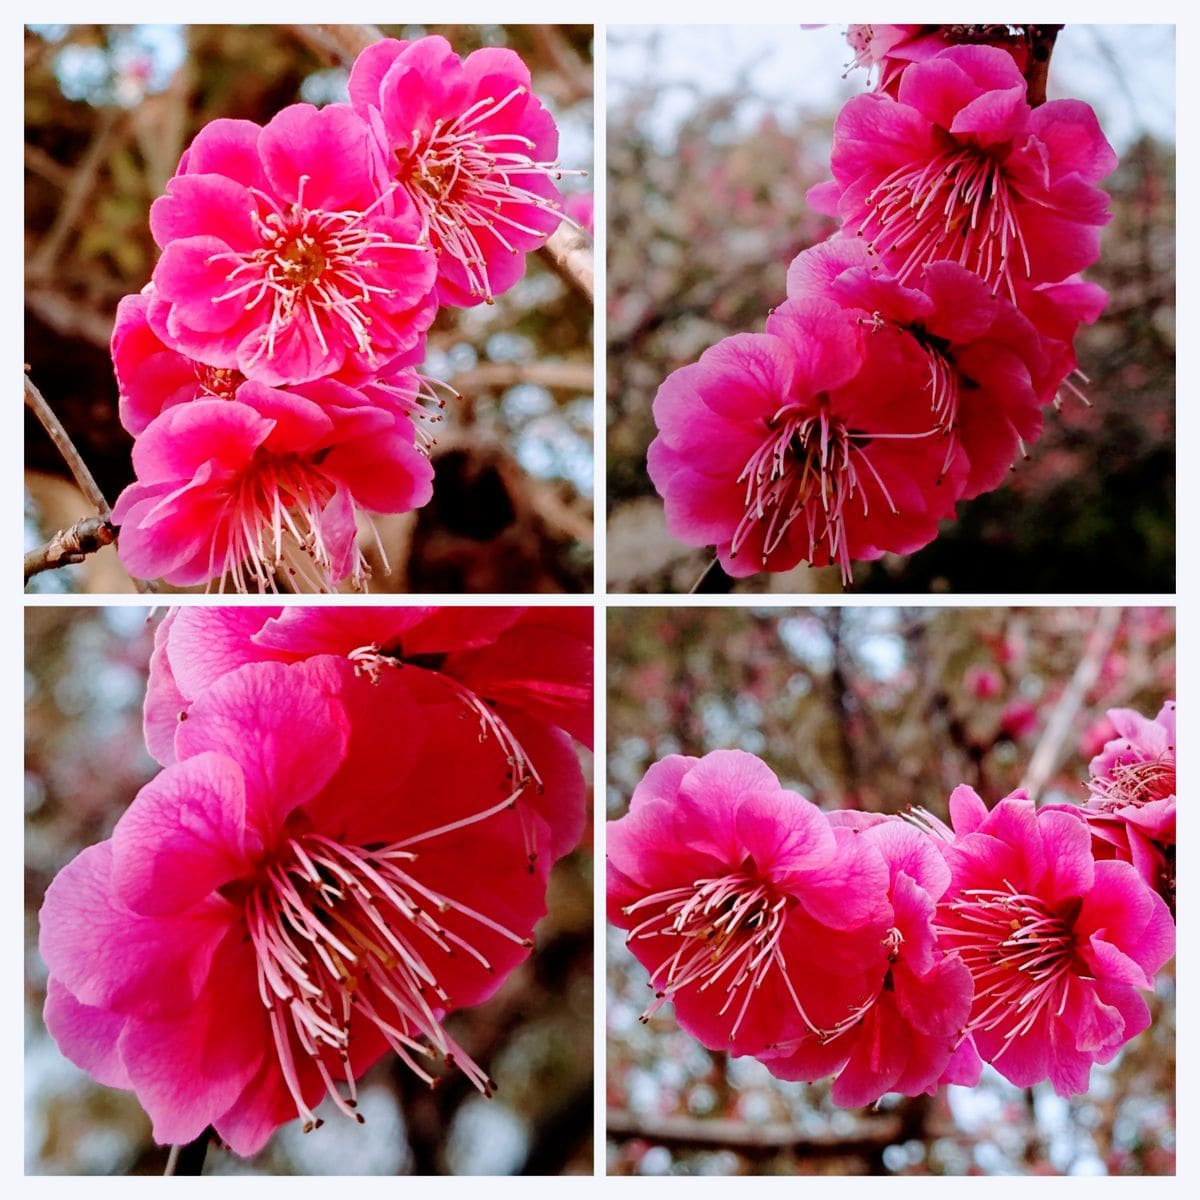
column 905, row 1035
column 890, row 49
column 1059, row 945
column 958, row 166
column 755, row 917
column 521, row 677
column 235, row 491
column 813, row 442
column 286, row 254
column 473, row 150
column 274, row 912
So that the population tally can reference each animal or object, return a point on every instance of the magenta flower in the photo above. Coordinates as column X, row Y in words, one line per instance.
column 472, row 148
column 1133, row 777
column 285, row 255
column 1057, row 943
column 958, row 166
column 986, row 371
column 903, row 1037
column 523, row 678
column 275, row 911
column 893, row 48
column 755, row 917
column 813, row 442
column 269, row 481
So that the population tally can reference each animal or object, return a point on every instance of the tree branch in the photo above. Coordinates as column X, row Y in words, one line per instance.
column 58, row 435
column 1041, row 40
column 189, row 1159
column 1048, row 752
column 569, row 252
column 70, row 545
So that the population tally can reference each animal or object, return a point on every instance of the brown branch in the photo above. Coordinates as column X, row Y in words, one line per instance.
column 572, row 70
column 69, row 319
column 760, row 1140
column 75, row 198
column 74, row 460
column 338, row 43
column 1041, row 40
column 71, row 545
column 569, row 252
column 1049, row 750
column 557, row 376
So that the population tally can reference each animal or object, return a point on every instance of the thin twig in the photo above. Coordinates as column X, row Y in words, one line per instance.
column 58, row 435
column 1041, row 46
column 556, row 376
column 189, row 1159
column 1048, row 753
column 71, row 545
column 569, row 252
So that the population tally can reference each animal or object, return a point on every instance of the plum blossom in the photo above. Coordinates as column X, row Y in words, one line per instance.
column 903, row 1037
column 756, row 918
column 286, row 256
column 522, row 677
column 471, row 148
column 274, row 912
column 958, row 166
column 1057, row 943
column 811, row 442
column 268, row 481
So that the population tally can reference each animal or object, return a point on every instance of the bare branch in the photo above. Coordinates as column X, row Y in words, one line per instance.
column 59, row 436
column 557, row 376
column 569, row 252
column 71, row 545
column 1049, row 750
column 69, row 319
column 338, row 43
column 574, row 73
column 1041, row 46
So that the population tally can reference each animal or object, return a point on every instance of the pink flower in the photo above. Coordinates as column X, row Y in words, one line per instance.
column 983, row 683
column 812, row 442
column 755, row 917
column 985, row 368
column 1019, row 719
column 1057, row 943
column 520, row 676
column 285, row 256
column 275, row 911
column 958, row 166
column 581, row 208
column 1133, row 777
column 269, row 481
column 892, row 48
column 903, row 1037
column 473, row 149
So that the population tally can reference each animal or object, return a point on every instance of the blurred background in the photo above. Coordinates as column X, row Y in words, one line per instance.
column 715, row 133
column 108, row 111
column 878, row 708
column 85, row 680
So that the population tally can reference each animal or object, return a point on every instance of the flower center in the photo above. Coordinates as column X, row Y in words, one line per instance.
column 465, row 178
column 1019, row 952
column 723, row 932
column 349, row 932
column 315, row 267
column 807, row 470
column 958, row 206
column 1134, row 784
column 221, row 383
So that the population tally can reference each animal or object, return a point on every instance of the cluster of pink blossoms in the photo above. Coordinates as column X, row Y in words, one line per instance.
column 350, row 838
column 269, row 370
column 920, row 345
column 898, row 955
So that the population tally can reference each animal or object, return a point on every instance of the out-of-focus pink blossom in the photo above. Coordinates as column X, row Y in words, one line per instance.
column 983, row 683
column 1019, row 719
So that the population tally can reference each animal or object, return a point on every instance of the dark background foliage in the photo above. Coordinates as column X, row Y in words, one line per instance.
column 706, row 189
column 108, row 111
column 85, row 679
column 876, row 709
